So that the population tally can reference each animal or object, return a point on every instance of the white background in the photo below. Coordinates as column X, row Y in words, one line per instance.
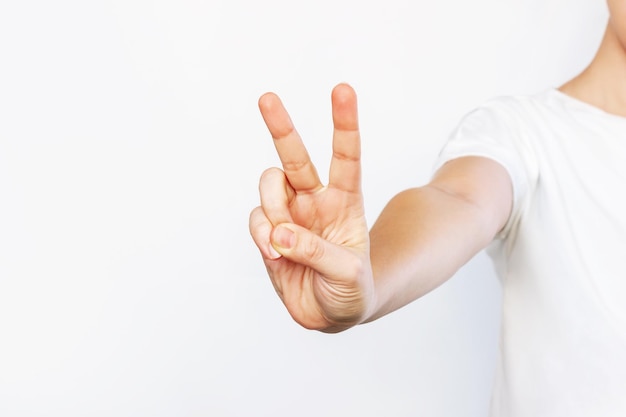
column 130, row 149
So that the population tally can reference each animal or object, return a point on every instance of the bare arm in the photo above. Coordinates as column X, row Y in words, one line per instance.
column 424, row 235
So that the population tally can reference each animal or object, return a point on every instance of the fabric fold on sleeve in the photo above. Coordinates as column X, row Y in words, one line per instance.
column 491, row 133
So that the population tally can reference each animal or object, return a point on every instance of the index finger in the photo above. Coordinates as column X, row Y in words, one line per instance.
column 294, row 157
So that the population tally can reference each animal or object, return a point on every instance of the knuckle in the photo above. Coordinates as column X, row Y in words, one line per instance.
column 354, row 268
column 256, row 219
column 311, row 249
column 255, row 213
column 269, row 173
column 296, row 166
column 274, row 196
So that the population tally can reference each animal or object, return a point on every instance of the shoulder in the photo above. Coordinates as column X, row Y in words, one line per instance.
column 510, row 114
column 505, row 130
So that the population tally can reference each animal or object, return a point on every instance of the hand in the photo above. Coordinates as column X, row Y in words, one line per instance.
column 314, row 238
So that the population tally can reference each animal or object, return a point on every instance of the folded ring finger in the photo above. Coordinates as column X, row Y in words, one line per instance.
column 276, row 193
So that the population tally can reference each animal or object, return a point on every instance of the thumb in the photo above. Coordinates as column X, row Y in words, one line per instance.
column 304, row 247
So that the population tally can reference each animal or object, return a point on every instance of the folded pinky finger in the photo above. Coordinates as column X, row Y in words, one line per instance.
column 261, row 229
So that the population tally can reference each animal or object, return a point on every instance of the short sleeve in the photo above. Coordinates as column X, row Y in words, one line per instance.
column 496, row 132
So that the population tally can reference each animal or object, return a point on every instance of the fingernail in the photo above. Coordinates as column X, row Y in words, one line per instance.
column 274, row 255
column 284, row 237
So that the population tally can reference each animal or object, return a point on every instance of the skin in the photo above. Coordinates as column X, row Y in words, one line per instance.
column 603, row 83
column 329, row 270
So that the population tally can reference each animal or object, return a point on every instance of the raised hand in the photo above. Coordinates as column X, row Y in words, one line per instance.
column 314, row 238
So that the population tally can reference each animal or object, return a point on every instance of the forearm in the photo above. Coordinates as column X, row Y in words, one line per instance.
column 422, row 237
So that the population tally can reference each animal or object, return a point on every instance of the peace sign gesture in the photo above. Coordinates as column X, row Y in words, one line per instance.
column 314, row 238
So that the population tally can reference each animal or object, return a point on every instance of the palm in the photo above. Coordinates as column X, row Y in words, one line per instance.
column 318, row 292
column 309, row 295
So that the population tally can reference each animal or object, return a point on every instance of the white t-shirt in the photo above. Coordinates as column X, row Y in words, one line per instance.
column 561, row 257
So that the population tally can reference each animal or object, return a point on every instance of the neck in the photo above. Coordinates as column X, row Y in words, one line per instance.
column 603, row 83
